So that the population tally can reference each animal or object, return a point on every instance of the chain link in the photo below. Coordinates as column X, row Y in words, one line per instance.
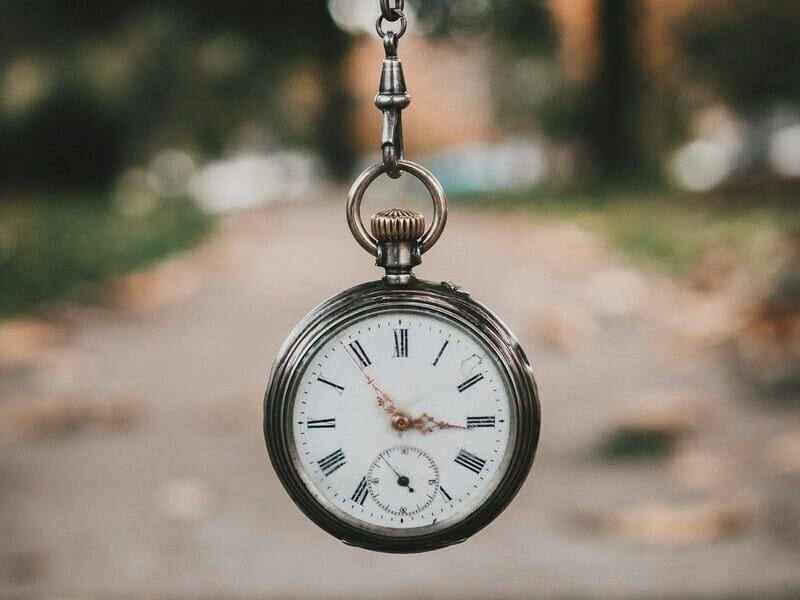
column 397, row 34
column 392, row 13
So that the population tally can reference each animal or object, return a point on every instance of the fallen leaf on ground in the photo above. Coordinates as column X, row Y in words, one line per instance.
column 617, row 291
column 22, row 420
column 184, row 499
column 652, row 427
column 160, row 286
column 23, row 567
column 564, row 327
column 710, row 319
column 568, row 248
column 784, row 452
column 701, row 470
column 22, row 341
column 715, row 270
column 232, row 413
column 671, row 523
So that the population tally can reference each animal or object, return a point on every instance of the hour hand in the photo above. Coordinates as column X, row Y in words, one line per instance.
column 427, row 424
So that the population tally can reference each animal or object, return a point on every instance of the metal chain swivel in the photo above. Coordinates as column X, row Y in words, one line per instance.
column 392, row 96
column 398, row 239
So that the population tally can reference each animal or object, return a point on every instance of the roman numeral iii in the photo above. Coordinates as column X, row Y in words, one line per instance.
column 332, row 462
column 360, row 354
column 470, row 382
column 473, row 422
column 469, row 461
column 400, row 343
column 321, row 423
column 361, row 492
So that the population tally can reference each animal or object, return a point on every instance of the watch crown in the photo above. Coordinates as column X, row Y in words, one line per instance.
column 397, row 225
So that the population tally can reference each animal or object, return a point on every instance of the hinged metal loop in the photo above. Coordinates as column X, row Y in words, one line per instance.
column 399, row 33
column 365, row 239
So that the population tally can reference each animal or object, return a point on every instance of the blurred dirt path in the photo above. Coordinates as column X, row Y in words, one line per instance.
column 143, row 471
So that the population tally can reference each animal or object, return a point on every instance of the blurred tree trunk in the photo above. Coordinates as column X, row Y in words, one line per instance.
column 336, row 142
column 613, row 105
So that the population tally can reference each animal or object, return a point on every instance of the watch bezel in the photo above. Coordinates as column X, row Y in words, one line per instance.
column 352, row 304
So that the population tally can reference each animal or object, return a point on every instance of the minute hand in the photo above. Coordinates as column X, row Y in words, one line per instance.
column 385, row 401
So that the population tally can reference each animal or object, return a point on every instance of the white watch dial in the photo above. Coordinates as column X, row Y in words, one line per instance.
column 403, row 420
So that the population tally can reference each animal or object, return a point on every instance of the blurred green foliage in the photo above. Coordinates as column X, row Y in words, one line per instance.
column 93, row 86
column 57, row 246
column 637, row 443
column 746, row 50
column 669, row 230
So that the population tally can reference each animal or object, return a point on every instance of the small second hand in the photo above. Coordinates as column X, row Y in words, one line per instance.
column 390, row 466
column 402, row 480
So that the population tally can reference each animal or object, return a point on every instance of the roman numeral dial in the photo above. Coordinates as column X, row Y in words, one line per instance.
column 401, row 419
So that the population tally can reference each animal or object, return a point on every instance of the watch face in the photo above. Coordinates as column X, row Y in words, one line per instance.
column 401, row 419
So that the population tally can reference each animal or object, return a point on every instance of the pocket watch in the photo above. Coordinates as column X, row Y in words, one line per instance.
column 401, row 415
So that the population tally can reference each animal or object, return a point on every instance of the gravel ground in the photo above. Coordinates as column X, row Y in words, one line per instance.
column 133, row 462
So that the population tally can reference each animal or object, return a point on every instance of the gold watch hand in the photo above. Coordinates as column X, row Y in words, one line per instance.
column 384, row 400
column 427, row 424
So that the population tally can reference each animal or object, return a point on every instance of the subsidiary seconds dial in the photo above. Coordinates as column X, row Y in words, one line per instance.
column 403, row 480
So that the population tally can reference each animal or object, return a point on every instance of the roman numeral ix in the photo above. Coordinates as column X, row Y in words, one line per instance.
column 361, row 492
column 321, row 423
column 470, row 382
column 470, row 461
column 332, row 462
column 400, row 343
column 473, row 422
column 360, row 354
